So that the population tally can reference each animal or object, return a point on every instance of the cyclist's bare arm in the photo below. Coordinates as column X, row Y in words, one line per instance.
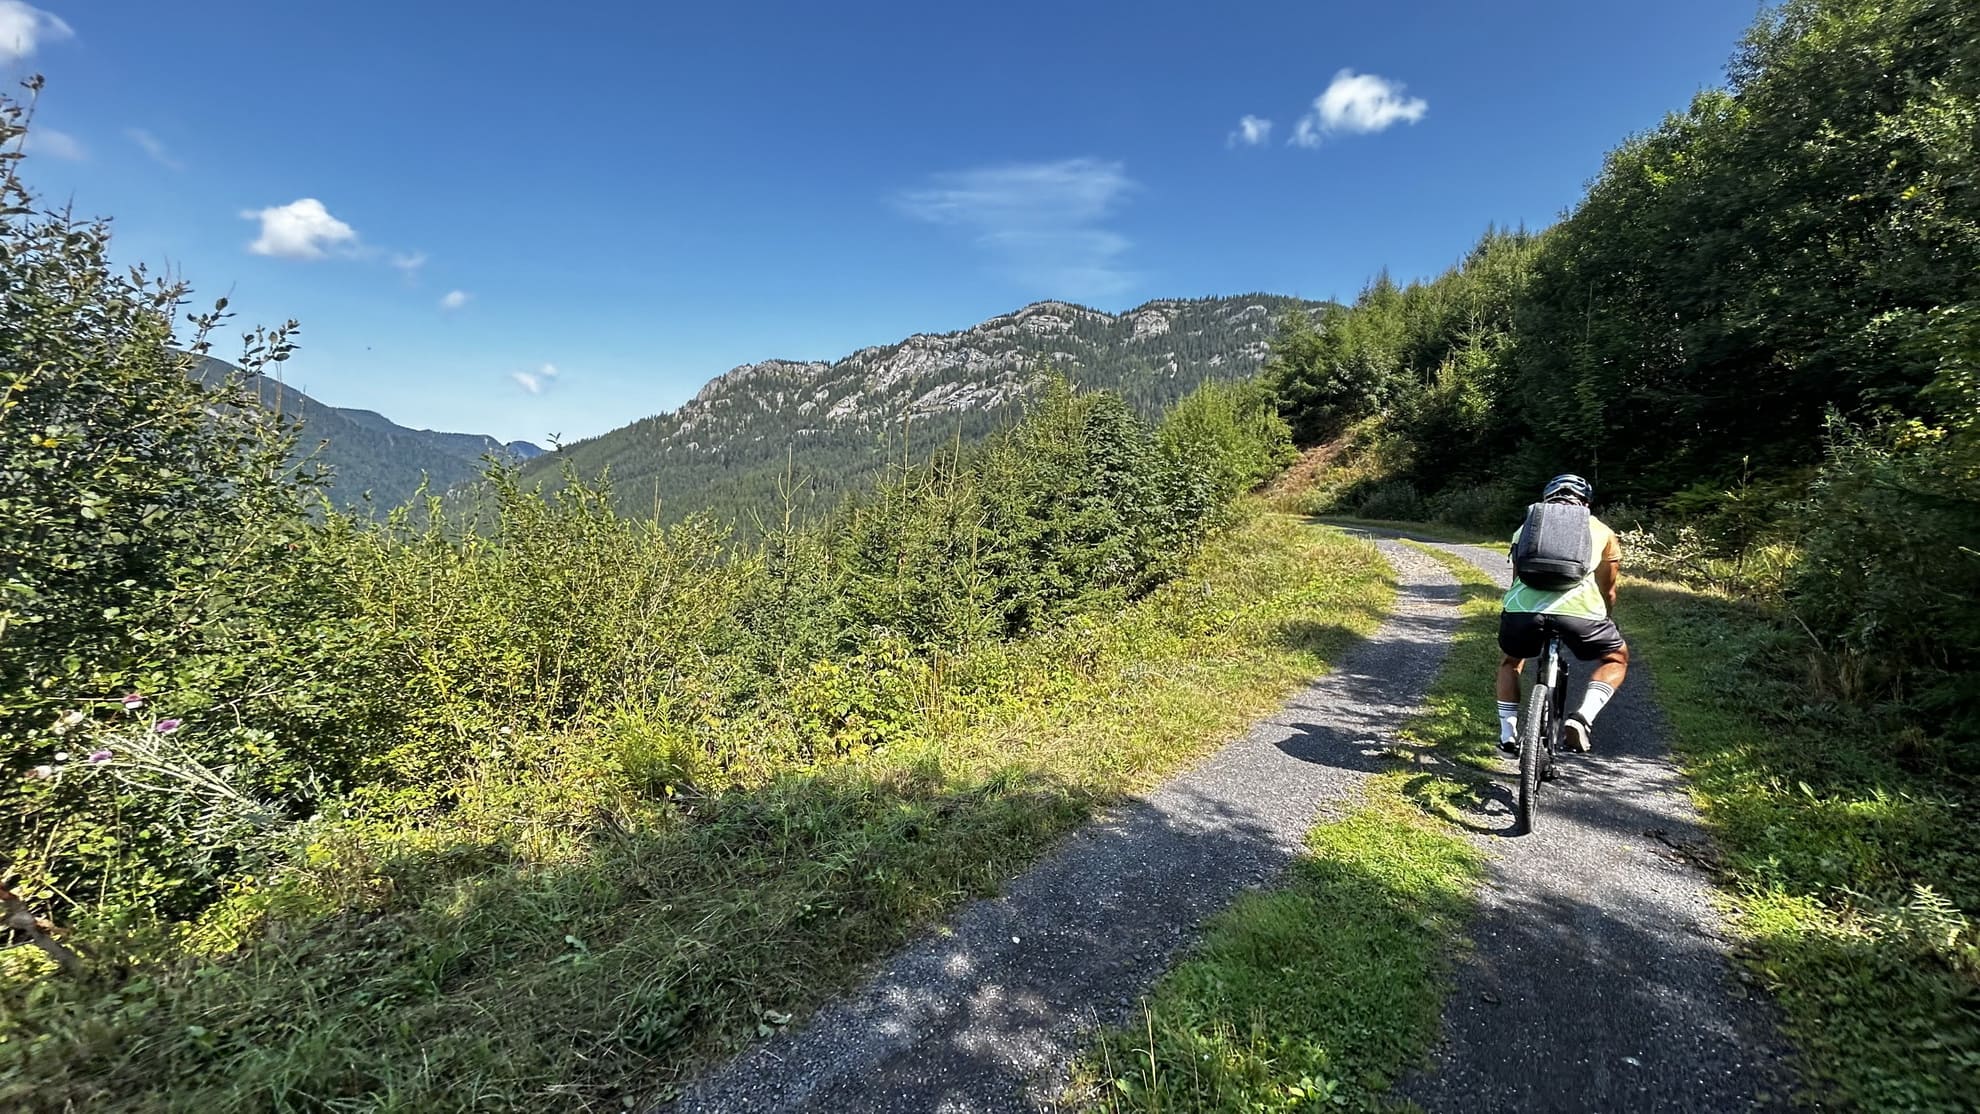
column 1608, row 574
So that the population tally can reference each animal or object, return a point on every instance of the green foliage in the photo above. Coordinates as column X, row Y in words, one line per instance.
column 581, row 926
column 1758, row 327
column 1890, row 568
column 155, row 541
column 1854, row 875
column 1078, row 507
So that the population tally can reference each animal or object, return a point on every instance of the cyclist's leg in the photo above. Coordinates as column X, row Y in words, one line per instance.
column 1599, row 641
column 1521, row 636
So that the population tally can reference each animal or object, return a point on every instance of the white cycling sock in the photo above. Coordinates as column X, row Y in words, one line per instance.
column 1508, row 720
column 1593, row 701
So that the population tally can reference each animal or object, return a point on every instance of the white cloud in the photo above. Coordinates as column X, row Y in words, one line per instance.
column 41, row 140
column 1357, row 104
column 299, row 230
column 1040, row 221
column 409, row 262
column 155, row 148
column 455, row 299
column 1251, row 132
column 24, row 27
column 535, row 381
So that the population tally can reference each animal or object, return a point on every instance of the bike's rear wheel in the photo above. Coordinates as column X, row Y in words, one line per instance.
column 1532, row 753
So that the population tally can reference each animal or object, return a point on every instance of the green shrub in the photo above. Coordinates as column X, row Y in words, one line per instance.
column 1890, row 574
column 1496, row 508
column 154, row 541
column 1389, row 499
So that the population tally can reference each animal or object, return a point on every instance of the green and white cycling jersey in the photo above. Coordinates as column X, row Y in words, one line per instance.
column 1584, row 600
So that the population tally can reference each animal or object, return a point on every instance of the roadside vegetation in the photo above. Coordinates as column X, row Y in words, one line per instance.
column 1323, row 991
column 1759, row 332
column 1853, row 864
column 541, row 806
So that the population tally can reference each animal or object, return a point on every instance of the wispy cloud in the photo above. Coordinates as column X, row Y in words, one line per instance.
column 24, row 27
column 455, row 299
column 1041, row 222
column 154, row 147
column 41, row 140
column 408, row 262
column 302, row 229
column 1356, row 104
column 1252, row 131
column 536, row 381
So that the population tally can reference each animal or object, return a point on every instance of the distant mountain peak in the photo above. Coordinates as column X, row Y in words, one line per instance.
column 746, row 426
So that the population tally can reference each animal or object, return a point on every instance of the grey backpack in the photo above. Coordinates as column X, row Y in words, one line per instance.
column 1554, row 547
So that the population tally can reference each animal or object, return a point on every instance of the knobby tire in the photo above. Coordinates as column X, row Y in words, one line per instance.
column 1532, row 754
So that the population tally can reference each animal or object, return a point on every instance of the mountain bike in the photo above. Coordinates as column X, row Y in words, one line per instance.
column 1540, row 720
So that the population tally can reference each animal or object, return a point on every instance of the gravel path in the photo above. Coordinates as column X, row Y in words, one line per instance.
column 1599, row 977
column 985, row 1013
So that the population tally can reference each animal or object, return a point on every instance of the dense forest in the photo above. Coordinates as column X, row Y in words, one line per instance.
column 1758, row 332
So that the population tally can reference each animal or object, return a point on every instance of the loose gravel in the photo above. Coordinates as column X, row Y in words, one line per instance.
column 1599, row 976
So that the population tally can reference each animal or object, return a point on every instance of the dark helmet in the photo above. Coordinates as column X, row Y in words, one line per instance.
column 1568, row 486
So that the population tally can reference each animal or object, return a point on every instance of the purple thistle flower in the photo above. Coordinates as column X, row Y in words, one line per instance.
column 166, row 726
column 133, row 701
column 99, row 757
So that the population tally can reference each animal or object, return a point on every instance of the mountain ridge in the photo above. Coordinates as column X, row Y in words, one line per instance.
column 732, row 446
column 368, row 454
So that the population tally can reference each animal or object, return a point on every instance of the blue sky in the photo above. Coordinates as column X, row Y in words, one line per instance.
column 642, row 195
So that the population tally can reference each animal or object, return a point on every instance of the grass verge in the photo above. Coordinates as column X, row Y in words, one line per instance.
column 1321, row 992
column 564, row 942
column 1852, row 859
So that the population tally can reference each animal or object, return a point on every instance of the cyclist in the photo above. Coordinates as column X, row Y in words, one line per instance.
column 1583, row 615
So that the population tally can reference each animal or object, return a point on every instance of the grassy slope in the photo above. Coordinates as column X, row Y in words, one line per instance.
column 551, row 949
column 1322, row 992
column 1852, row 874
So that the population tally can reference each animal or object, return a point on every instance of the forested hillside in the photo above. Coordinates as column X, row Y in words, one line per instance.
column 834, row 426
column 369, row 460
column 1759, row 332
column 1760, row 326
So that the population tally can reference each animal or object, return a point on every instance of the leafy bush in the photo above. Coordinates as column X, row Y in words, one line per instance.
column 1390, row 499
column 1494, row 508
column 1891, row 570
column 154, row 541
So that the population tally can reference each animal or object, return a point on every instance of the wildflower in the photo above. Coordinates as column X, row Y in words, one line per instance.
column 61, row 756
column 133, row 701
column 166, row 726
column 99, row 757
column 42, row 773
column 67, row 722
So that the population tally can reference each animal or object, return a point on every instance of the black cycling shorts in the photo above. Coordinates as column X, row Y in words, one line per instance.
column 1523, row 634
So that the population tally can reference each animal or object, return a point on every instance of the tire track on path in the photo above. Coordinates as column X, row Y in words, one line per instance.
column 985, row 1013
column 1600, row 976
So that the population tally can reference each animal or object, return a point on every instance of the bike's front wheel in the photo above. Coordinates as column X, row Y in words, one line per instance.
column 1532, row 754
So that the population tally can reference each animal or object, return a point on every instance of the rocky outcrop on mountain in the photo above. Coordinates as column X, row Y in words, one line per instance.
column 831, row 421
